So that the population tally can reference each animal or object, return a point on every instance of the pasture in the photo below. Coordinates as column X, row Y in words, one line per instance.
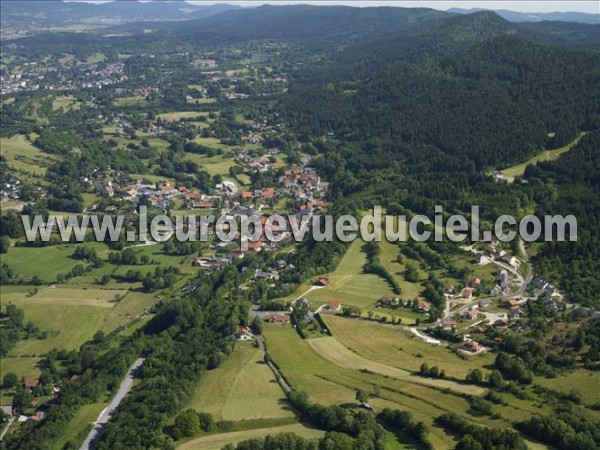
column 218, row 441
column 242, row 388
column 65, row 102
column 96, row 58
column 72, row 315
column 582, row 380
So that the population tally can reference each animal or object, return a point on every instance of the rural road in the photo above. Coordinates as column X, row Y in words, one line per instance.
column 10, row 421
column 126, row 385
column 523, row 283
column 284, row 385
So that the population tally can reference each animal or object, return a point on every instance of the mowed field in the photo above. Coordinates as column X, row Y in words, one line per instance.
column 399, row 348
column 218, row 441
column 546, row 155
column 329, row 383
column 349, row 285
column 242, row 388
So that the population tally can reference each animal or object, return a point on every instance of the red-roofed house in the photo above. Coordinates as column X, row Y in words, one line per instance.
column 247, row 195
column 470, row 346
column 31, row 383
column 279, row 318
column 334, row 305
column 322, row 282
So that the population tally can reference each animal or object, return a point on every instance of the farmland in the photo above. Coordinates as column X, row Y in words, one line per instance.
column 329, row 383
column 178, row 115
column 399, row 348
column 218, row 441
column 52, row 309
column 24, row 158
column 242, row 388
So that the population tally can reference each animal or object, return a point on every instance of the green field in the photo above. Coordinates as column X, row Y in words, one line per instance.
column 399, row 348
column 65, row 102
column 178, row 115
column 96, row 58
column 328, row 383
column 80, row 425
column 45, row 262
column 214, row 165
column 218, row 441
column 23, row 157
column 546, row 155
column 348, row 284
column 582, row 380
column 130, row 101
column 389, row 260
column 242, row 388
column 70, row 316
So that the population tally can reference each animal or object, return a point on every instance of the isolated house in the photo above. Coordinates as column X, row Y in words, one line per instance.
column 279, row 318
column 31, row 383
column 322, row 282
column 334, row 305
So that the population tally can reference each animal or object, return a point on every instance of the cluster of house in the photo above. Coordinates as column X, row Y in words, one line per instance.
column 547, row 294
column 15, row 82
column 94, row 76
column 30, row 385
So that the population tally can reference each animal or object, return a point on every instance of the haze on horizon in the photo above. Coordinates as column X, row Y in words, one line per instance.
column 591, row 7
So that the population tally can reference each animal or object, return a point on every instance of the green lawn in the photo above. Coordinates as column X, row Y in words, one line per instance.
column 242, row 388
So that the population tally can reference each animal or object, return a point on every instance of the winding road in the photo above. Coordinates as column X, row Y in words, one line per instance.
column 104, row 417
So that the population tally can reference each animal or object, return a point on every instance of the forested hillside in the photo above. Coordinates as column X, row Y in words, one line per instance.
column 492, row 104
column 576, row 181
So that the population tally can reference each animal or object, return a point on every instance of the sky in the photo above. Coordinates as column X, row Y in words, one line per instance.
column 524, row 6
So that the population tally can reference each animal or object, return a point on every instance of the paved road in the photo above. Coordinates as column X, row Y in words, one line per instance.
column 284, row 385
column 125, row 387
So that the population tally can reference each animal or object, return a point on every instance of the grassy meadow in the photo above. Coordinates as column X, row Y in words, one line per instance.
column 546, row 155
column 218, row 441
column 397, row 347
column 242, row 388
